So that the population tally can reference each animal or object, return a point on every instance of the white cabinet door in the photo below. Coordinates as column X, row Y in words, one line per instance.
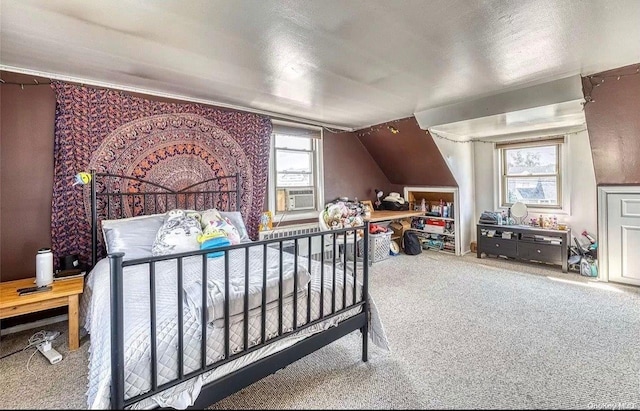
column 623, row 237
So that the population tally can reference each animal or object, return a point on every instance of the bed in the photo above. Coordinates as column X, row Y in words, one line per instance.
column 186, row 329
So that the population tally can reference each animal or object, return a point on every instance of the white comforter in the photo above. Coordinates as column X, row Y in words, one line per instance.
column 96, row 319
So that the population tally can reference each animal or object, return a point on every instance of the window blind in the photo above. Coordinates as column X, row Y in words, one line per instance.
column 542, row 141
column 297, row 130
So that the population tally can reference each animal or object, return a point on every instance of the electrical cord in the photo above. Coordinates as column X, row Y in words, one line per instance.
column 29, row 361
column 11, row 353
column 279, row 221
column 34, row 341
column 42, row 336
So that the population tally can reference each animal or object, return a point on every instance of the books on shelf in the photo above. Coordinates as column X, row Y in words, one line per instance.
column 541, row 239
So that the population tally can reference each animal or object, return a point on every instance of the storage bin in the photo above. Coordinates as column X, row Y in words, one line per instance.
column 379, row 247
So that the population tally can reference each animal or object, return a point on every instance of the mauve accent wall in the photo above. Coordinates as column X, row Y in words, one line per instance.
column 349, row 169
column 409, row 157
column 27, row 121
column 613, row 121
column 26, row 174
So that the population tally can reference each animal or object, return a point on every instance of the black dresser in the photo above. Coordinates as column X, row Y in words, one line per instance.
column 525, row 243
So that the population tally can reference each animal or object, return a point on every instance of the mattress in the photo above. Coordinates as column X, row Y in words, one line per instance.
column 96, row 317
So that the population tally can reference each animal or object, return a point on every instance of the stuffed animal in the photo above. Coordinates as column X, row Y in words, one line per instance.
column 208, row 216
column 212, row 238
column 178, row 233
column 212, row 222
column 341, row 215
column 211, row 232
column 212, row 244
column 232, row 232
column 353, row 221
column 215, row 233
column 334, row 214
column 195, row 215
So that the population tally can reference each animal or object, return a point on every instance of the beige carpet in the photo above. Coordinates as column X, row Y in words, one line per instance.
column 31, row 382
column 465, row 333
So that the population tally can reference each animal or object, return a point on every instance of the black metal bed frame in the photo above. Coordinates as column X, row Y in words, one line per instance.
column 243, row 377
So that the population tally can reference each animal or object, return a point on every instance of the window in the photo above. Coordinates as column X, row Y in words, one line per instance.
column 296, row 181
column 531, row 173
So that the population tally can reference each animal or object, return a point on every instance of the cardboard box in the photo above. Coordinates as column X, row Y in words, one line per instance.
column 436, row 222
column 434, row 229
column 399, row 227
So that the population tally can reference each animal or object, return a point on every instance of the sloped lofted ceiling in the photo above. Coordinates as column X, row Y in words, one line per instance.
column 342, row 63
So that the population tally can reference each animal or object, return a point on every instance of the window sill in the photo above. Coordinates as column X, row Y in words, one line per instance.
column 295, row 217
column 534, row 212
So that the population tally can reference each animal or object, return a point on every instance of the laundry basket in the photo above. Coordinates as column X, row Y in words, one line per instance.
column 379, row 246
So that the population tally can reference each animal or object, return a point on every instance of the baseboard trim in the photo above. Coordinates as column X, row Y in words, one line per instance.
column 34, row 324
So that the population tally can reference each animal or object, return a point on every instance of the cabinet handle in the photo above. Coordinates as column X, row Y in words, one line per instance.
column 497, row 245
column 538, row 251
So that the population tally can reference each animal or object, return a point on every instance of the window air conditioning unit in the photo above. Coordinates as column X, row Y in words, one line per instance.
column 300, row 199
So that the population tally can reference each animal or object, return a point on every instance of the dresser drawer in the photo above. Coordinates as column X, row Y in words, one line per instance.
column 498, row 246
column 548, row 253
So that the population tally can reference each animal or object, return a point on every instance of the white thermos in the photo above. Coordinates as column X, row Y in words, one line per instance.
column 44, row 267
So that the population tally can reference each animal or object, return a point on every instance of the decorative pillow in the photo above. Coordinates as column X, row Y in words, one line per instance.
column 194, row 214
column 236, row 219
column 132, row 236
column 213, row 221
column 207, row 216
column 178, row 234
column 213, row 243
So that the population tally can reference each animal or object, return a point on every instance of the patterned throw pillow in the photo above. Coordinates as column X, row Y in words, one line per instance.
column 210, row 215
column 178, row 234
column 235, row 217
column 213, row 221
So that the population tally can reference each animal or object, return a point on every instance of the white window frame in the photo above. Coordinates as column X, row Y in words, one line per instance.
column 318, row 172
column 564, row 177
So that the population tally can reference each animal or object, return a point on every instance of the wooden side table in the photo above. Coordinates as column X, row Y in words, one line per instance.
column 63, row 293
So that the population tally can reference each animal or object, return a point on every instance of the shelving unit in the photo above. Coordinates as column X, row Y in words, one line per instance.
column 447, row 241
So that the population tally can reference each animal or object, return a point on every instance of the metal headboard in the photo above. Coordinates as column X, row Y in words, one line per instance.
column 155, row 199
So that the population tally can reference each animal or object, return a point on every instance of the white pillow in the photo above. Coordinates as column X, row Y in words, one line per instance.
column 132, row 236
column 178, row 234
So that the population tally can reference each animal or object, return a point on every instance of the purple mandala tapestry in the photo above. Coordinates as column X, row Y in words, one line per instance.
column 171, row 144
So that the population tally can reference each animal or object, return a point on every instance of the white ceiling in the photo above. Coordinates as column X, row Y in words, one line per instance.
column 561, row 118
column 342, row 63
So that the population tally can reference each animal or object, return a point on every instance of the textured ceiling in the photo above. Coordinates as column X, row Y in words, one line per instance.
column 343, row 63
column 550, row 119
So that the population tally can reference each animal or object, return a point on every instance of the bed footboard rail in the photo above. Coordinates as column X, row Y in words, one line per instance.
column 334, row 268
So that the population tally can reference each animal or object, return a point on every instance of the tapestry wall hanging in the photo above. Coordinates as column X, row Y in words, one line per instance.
column 172, row 144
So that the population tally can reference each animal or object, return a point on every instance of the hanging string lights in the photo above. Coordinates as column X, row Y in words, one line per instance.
column 597, row 80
